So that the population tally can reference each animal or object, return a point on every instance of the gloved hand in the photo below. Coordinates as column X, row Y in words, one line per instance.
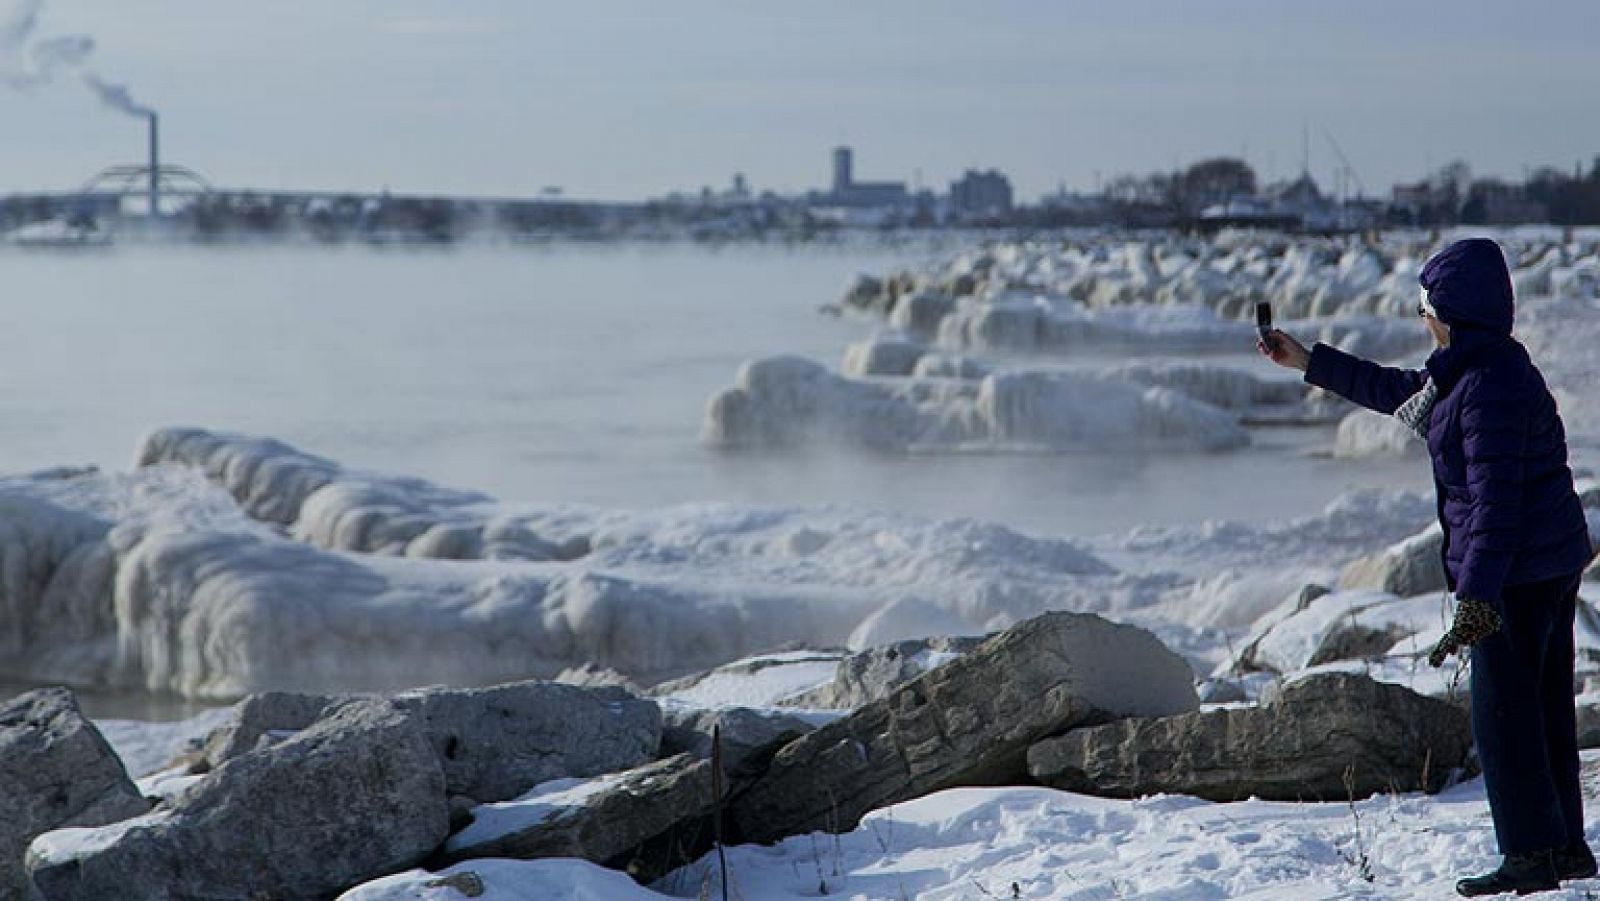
column 1474, row 621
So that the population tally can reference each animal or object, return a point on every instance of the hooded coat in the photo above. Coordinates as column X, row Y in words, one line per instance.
column 1499, row 451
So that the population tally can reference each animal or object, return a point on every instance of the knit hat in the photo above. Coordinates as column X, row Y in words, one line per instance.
column 1469, row 285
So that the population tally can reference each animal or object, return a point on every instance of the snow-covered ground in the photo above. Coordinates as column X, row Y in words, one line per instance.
column 1040, row 843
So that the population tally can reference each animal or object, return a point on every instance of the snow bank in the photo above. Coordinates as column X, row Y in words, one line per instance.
column 786, row 402
column 1040, row 843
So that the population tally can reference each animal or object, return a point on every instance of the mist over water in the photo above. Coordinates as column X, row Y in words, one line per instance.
column 563, row 374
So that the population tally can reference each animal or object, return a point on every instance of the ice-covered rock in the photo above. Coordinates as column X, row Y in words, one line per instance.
column 1363, row 433
column 1062, row 409
column 1342, row 625
column 936, row 365
column 1322, row 739
column 881, row 355
column 323, row 503
column 358, row 795
column 788, row 402
column 1409, row 568
column 1220, row 386
column 967, row 722
column 920, row 313
column 55, row 771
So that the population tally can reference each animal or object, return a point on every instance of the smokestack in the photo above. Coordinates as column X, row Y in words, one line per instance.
column 155, row 168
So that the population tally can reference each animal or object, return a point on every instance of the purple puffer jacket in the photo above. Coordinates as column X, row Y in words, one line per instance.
column 1499, row 452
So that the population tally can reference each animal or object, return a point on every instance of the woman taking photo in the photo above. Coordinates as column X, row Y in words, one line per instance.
column 1515, row 544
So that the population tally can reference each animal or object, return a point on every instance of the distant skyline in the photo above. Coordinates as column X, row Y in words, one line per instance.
column 635, row 98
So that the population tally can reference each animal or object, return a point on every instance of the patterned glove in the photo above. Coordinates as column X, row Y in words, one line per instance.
column 1474, row 622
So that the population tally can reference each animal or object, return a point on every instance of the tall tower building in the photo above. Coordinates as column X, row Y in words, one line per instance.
column 843, row 177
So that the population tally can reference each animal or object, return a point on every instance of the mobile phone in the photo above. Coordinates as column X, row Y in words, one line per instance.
column 1264, row 324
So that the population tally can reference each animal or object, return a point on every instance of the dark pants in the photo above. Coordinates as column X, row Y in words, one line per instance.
column 1523, row 721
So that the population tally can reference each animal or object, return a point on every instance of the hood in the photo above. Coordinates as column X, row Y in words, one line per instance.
column 1469, row 285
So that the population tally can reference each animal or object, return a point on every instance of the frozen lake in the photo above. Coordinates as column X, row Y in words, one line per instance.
column 556, row 374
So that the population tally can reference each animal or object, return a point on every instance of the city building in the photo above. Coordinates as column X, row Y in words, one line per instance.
column 981, row 195
column 847, row 192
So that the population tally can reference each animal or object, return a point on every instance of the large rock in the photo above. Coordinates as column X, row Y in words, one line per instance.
column 55, row 770
column 749, row 737
column 967, row 722
column 494, row 743
column 599, row 820
column 1297, row 748
column 877, row 672
column 261, row 720
column 1411, row 567
column 358, row 795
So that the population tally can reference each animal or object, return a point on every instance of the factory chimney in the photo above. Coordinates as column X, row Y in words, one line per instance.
column 155, row 168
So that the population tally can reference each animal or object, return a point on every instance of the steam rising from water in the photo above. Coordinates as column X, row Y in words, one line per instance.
column 29, row 60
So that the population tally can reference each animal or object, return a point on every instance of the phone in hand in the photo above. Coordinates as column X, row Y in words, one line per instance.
column 1264, row 324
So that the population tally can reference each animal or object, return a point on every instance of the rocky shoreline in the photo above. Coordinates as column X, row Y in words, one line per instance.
column 301, row 796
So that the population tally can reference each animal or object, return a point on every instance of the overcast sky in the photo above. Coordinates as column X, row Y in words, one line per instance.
column 627, row 99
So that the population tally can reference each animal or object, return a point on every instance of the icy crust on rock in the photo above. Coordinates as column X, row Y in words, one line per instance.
column 158, row 580
column 785, row 402
column 331, row 506
column 1016, row 321
column 1302, row 277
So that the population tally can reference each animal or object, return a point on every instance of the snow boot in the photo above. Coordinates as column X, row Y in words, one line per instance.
column 1520, row 873
column 1575, row 861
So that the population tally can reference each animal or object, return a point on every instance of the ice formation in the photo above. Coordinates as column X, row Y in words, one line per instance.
column 786, row 402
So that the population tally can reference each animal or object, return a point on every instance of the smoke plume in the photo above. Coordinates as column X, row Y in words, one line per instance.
column 116, row 96
column 29, row 60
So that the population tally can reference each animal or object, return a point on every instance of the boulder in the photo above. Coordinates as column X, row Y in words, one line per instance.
column 876, row 673
column 599, row 820
column 749, row 737
column 496, row 743
column 967, row 722
column 1588, row 713
column 260, row 720
column 1298, row 747
column 358, row 795
column 867, row 294
column 1409, row 568
column 56, row 769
